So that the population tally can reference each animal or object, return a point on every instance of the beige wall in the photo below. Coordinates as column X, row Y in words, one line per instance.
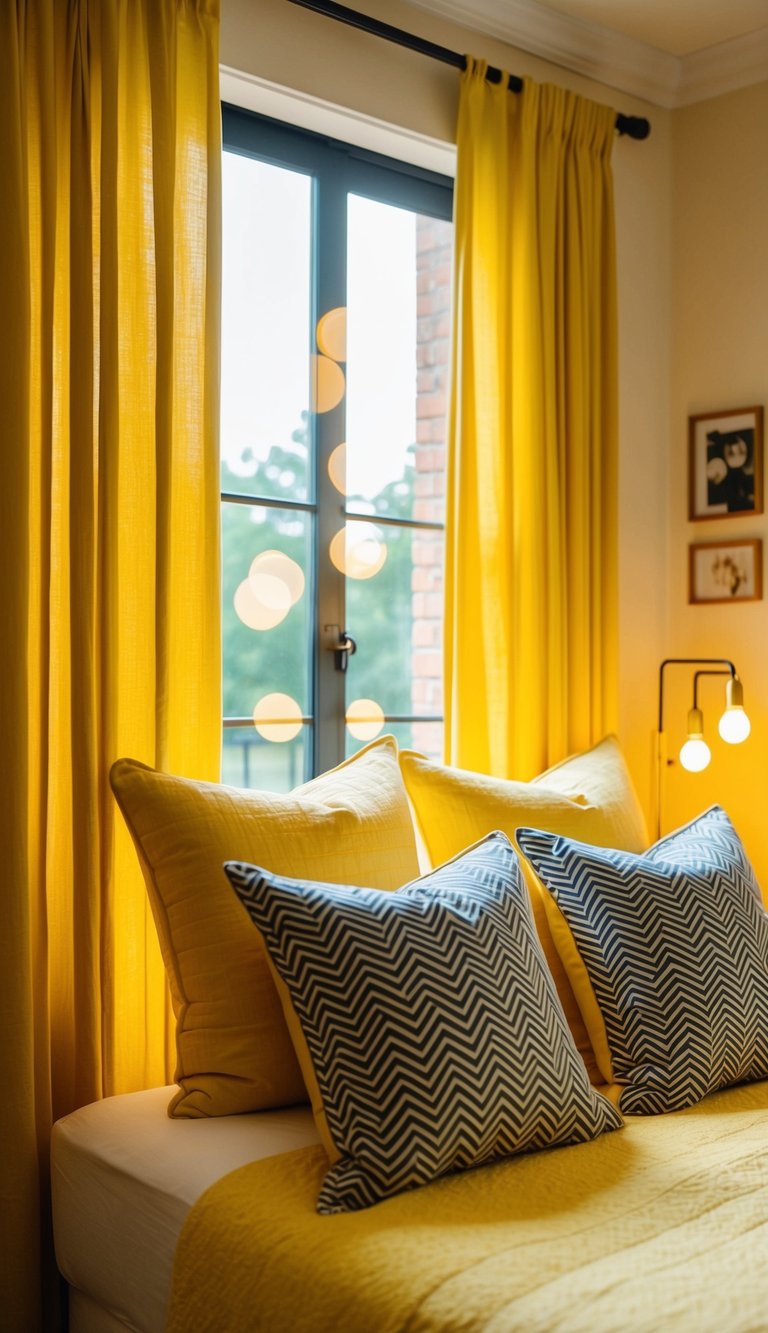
column 272, row 40
column 720, row 360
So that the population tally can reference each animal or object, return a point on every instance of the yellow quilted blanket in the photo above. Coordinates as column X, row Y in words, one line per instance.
column 662, row 1226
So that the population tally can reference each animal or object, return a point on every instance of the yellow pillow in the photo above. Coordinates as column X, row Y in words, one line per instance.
column 351, row 825
column 588, row 796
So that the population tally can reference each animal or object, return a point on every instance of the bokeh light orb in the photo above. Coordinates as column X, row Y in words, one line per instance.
column 277, row 565
column 327, row 384
column 263, row 603
column 337, row 468
column 358, row 551
column 277, row 717
column 365, row 719
column 332, row 334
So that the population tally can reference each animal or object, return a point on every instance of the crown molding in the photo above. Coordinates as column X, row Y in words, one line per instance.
column 585, row 48
column 609, row 57
column 724, row 68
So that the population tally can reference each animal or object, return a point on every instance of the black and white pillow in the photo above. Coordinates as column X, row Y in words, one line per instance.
column 433, row 1026
column 675, row 945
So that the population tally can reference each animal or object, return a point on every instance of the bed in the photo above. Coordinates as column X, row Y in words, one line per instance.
column 663, row 1226
column 537, row 1071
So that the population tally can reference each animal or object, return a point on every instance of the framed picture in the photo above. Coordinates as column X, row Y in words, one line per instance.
column 725, row 469
column 725, row 571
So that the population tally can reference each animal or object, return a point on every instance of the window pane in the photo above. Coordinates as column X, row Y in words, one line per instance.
column 266, row 607
column 395, row 614
column 398, row 295
column 375, row 373
column 248, row 760
column 265, row 364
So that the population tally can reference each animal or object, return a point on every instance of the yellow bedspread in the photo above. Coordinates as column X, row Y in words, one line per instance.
column 661, row 1226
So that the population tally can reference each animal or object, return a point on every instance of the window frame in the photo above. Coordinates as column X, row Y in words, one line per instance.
column 336, row 169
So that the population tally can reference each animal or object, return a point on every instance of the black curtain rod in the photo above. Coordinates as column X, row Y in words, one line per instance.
column 636, row 127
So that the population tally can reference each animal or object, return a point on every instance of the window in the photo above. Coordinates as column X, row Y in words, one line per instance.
column 335, row 345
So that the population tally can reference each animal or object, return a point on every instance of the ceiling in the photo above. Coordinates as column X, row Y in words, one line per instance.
column 668, row 52
column 678, row 27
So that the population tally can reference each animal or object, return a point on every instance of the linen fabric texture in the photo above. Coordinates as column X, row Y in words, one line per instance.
column 531, row 538
column 433, row 1026
column 661, row 1228
column 110, row 258
column 675, row 947
column 589, row 796
column 353, row 823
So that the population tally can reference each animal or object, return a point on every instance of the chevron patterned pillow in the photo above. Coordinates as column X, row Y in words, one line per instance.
column 431, row 1020
column 675, row 945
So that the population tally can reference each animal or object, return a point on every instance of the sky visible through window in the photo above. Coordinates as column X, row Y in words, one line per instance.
column 265, row 323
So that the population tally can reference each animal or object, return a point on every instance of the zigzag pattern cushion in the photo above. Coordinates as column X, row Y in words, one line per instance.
column 433, row 1025
column 675, row 943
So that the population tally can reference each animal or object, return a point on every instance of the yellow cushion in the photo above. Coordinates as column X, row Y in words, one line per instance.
column 588, row 796
column 351, row 825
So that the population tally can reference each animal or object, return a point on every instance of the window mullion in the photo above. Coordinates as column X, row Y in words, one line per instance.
column 329, row 430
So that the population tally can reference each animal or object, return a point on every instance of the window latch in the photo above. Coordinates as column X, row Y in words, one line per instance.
column 341, row 644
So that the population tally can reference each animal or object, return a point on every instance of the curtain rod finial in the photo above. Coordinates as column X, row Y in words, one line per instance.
column 636, row 127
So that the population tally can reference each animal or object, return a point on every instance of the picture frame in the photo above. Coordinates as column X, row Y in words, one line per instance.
column 725, row 463
column 725, row 571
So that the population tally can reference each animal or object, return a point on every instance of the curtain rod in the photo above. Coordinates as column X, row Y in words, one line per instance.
column 636, row 127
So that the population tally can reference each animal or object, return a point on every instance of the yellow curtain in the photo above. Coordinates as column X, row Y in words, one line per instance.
column 531, row 599
column 109, row 301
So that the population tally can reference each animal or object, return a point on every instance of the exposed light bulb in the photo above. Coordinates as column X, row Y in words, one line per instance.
column 734, row 726
column 695, row 754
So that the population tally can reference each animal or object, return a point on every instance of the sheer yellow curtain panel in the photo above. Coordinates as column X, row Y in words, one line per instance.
column 531, row 598
column 110, row 160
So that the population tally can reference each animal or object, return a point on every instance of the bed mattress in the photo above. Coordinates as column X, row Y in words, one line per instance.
column 124, row 1177
column 661, row 1226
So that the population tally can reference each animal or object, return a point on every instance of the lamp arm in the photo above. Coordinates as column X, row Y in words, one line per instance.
column 691, row 661
column 726, row 668
column 696, row 676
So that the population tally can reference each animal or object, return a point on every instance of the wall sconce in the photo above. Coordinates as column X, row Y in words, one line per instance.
column 734, row 725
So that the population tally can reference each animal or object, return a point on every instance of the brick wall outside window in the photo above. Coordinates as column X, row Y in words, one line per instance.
column 433, row 278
